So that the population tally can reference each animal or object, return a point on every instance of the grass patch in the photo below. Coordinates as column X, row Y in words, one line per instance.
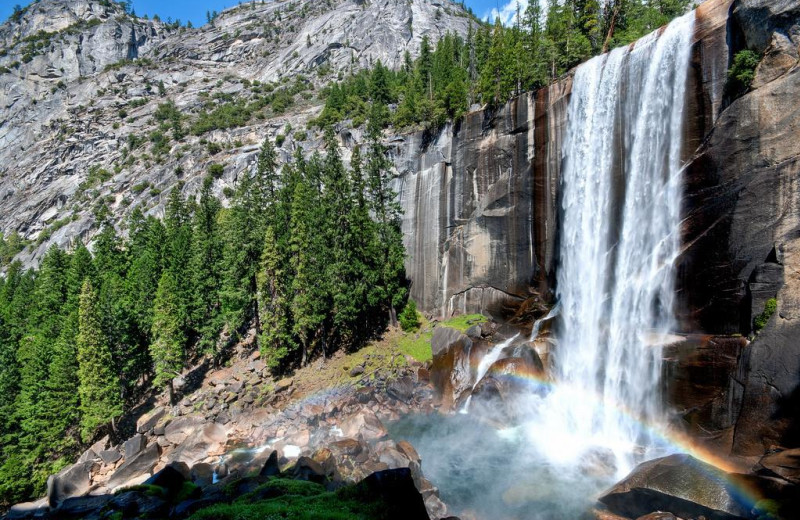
column 299, row 501
column 464, row 322
column 762, row 319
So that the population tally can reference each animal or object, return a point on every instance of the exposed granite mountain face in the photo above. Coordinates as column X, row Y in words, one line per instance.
column 71, row 98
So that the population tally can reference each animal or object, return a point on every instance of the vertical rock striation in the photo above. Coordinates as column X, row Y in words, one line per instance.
column 479, row 202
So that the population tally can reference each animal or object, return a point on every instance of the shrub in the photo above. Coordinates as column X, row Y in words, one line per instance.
column 214, row 148
column 216, row 170
column 742, row 73
column 762, row 319
column 409, row 318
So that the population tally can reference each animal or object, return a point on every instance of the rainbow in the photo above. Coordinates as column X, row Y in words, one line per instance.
column 717, row 466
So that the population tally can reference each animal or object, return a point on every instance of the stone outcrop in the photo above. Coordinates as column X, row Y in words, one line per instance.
column 96, row 76
column 680, row 485
column 479, row 203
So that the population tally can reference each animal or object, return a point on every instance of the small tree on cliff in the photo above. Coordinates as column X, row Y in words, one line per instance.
column 99, row 386
column 167, row 349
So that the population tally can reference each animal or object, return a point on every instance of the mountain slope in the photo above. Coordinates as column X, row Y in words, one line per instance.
column 81, row 81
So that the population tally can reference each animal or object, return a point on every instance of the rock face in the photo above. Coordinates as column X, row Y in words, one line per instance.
column 93, row 76
column 480, row 205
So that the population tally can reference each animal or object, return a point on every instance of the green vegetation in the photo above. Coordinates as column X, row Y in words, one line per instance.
column 10, row 246
column 311, row 256
column 409, row 318
column 742, row 73
column 762, row 319
column 462, row 323
column 495, row 62
column 298, row 500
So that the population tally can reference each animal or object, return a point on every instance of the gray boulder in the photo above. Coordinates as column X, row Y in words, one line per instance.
column 148, row 421
column 141, row 464
column 70, row 482
column 133, row 446
column 678, row 484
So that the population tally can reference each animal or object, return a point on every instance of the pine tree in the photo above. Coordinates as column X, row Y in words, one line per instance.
column 308, row 305
column 35, row 353
column 245, row 229
column 204, row 269
column 169, row 340
column 99, row 386
column 276, row 338
column 390, row 250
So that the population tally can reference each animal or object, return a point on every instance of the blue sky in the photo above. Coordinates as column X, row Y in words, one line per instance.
column 195, row 10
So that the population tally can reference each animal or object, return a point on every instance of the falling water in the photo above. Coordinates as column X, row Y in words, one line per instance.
column 486, row 363
column 620, row 237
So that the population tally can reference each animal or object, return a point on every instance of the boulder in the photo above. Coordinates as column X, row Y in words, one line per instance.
column 474, row 332
column 271, row 467
column 141, row 464
column 149, row 420
column 202, row 474
column 307, row 468
column 179, row 429
column 110, row 456
column 395, row 488
column 678, row 484
column 365, row 424
column 283, row 384
column 507, row 378
column 81, row 507
column 528, row 354
column 409, row 451
column 171, row 478
column 401, row 388
column 94, row 450
column 451, row 371
column 783, row 464
column 69, row 482
column 133, row 446
column 28, row 509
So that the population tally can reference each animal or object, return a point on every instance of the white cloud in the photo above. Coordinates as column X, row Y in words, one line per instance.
column 507, row 13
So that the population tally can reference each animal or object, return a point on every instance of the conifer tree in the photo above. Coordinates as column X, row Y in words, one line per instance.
column 276, row 338
column 390, row 251
column 99, row 387
column 204, row 269
column 169, row 340
column 308, row 305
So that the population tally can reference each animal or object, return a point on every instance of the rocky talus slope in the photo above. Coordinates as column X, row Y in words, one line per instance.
column 235, row 427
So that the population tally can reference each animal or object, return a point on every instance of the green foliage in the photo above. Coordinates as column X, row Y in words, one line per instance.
column 494, row 62
column 762, row 319
column 742, row 73
column 297, row 500
column 169, row 339
column 409, row 318
column 10, row 246
column 310, row 255
column 464, row 322
column 99, row 388
column 216, row 170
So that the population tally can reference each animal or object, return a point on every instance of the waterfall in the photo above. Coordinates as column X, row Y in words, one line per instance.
column 619, row 239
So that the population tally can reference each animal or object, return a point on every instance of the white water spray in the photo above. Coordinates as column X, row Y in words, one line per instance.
column 486, row 363
column 620, row 237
